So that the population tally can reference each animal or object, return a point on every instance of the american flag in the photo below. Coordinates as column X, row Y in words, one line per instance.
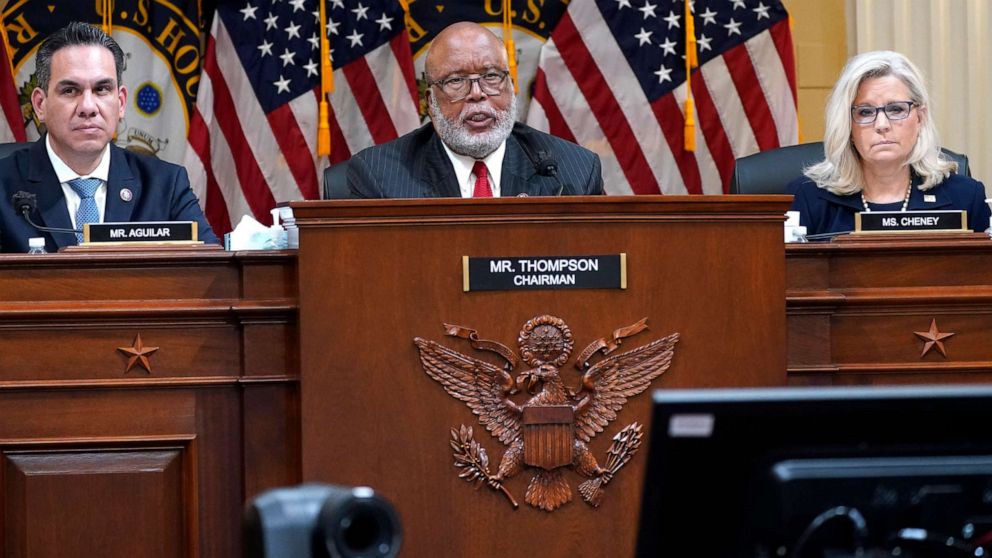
column 253, row 136
column 612, row 78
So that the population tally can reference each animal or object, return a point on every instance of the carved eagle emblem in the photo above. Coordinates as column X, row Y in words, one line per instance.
column 550, row 430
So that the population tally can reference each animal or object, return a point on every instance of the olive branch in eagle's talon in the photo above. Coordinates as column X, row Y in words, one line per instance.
column 472, row 459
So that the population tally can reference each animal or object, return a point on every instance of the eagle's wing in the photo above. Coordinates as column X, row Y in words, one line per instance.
column 617, row 378
column 482, row 386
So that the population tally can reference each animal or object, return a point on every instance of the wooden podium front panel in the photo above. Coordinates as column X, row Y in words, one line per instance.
column 854, row 308
column 99, row 459
column 374, row 275
column 137, row 492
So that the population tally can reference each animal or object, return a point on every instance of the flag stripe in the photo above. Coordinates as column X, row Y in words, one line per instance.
column 339, row 144
column 575, row 110
column 701, row 158
column 733, row 118
column 749, row 90
column 403, row 57
column 215, row 210
column 349, row 116
column 672, row 123
column 249, row 174
column 556, row 122
column 294, row 148
column 775, row 86
column 708, row 120
column 782, row 37
column 605, row 108
column 362, row 83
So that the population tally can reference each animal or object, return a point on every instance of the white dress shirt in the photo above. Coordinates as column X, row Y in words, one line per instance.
column 65, row 174
column 463, row 169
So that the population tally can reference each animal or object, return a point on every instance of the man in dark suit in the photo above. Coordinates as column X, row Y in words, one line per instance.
column 472, row 147
column 74, row 171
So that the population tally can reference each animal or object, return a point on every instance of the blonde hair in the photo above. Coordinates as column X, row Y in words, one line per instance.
column 840, row 172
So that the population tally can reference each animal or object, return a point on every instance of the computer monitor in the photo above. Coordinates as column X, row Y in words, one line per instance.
column 825, row 472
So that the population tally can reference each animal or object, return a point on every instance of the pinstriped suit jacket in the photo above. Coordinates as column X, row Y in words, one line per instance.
column 416, row 166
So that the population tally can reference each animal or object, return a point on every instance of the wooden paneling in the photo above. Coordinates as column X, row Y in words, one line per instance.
column 710, row 268
column 97, row 502
column 99, row 461
column 854, row 308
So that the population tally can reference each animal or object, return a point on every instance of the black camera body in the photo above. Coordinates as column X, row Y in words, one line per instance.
column 321, row 521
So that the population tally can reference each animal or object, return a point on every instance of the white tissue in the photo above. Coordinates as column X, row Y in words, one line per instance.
column 252, row 235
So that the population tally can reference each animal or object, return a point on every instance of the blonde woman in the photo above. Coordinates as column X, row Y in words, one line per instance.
column 881, row 152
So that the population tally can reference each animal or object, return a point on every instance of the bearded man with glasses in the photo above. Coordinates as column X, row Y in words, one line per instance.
column 881, row 152
column 473, row 146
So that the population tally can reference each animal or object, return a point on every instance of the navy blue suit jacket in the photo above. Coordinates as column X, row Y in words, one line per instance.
column 417, row 166
column 823, row 212
column 159, row 192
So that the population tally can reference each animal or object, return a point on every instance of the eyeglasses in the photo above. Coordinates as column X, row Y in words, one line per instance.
column 457, row 88
column 866, row 114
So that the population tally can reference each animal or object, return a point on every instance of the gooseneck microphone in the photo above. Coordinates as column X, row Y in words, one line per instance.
column 546, row 166
column 26, row 203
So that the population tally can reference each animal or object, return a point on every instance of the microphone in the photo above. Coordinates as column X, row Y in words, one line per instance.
column 826, row 236
column 546, row 166
column 26, row 203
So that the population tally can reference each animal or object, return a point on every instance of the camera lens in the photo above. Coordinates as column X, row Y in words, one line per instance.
column 359, row 525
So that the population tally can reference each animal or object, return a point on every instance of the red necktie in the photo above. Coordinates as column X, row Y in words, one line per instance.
column 482, row 189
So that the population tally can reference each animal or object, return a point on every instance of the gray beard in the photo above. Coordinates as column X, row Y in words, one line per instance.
column 461, row 141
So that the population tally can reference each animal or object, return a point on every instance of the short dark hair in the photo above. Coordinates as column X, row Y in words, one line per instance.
column 75, row 34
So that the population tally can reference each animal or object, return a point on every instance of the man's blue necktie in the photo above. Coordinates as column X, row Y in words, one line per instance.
column 87, row 212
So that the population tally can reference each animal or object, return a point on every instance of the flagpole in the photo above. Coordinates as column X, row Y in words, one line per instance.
column 691, row 61
column 326, row 87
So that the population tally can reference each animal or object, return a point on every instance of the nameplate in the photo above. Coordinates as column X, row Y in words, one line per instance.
column 514, row 273
column 155, row 231
column 911, row 221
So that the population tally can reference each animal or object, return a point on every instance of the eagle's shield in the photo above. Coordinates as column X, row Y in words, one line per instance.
column 548, row 435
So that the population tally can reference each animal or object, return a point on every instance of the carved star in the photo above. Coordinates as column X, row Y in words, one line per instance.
column 138, row 354
column 933, row 337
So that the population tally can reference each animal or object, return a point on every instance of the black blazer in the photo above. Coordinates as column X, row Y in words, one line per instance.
column 823, row 212
column 417, row 166
column 159, row 192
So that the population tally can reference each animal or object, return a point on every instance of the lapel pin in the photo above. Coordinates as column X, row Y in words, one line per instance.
column 929, row 198
column 126, row 194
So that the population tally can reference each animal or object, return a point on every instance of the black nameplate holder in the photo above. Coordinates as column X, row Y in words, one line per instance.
column 875, row 222
column 159, row 232
column 517, row 273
